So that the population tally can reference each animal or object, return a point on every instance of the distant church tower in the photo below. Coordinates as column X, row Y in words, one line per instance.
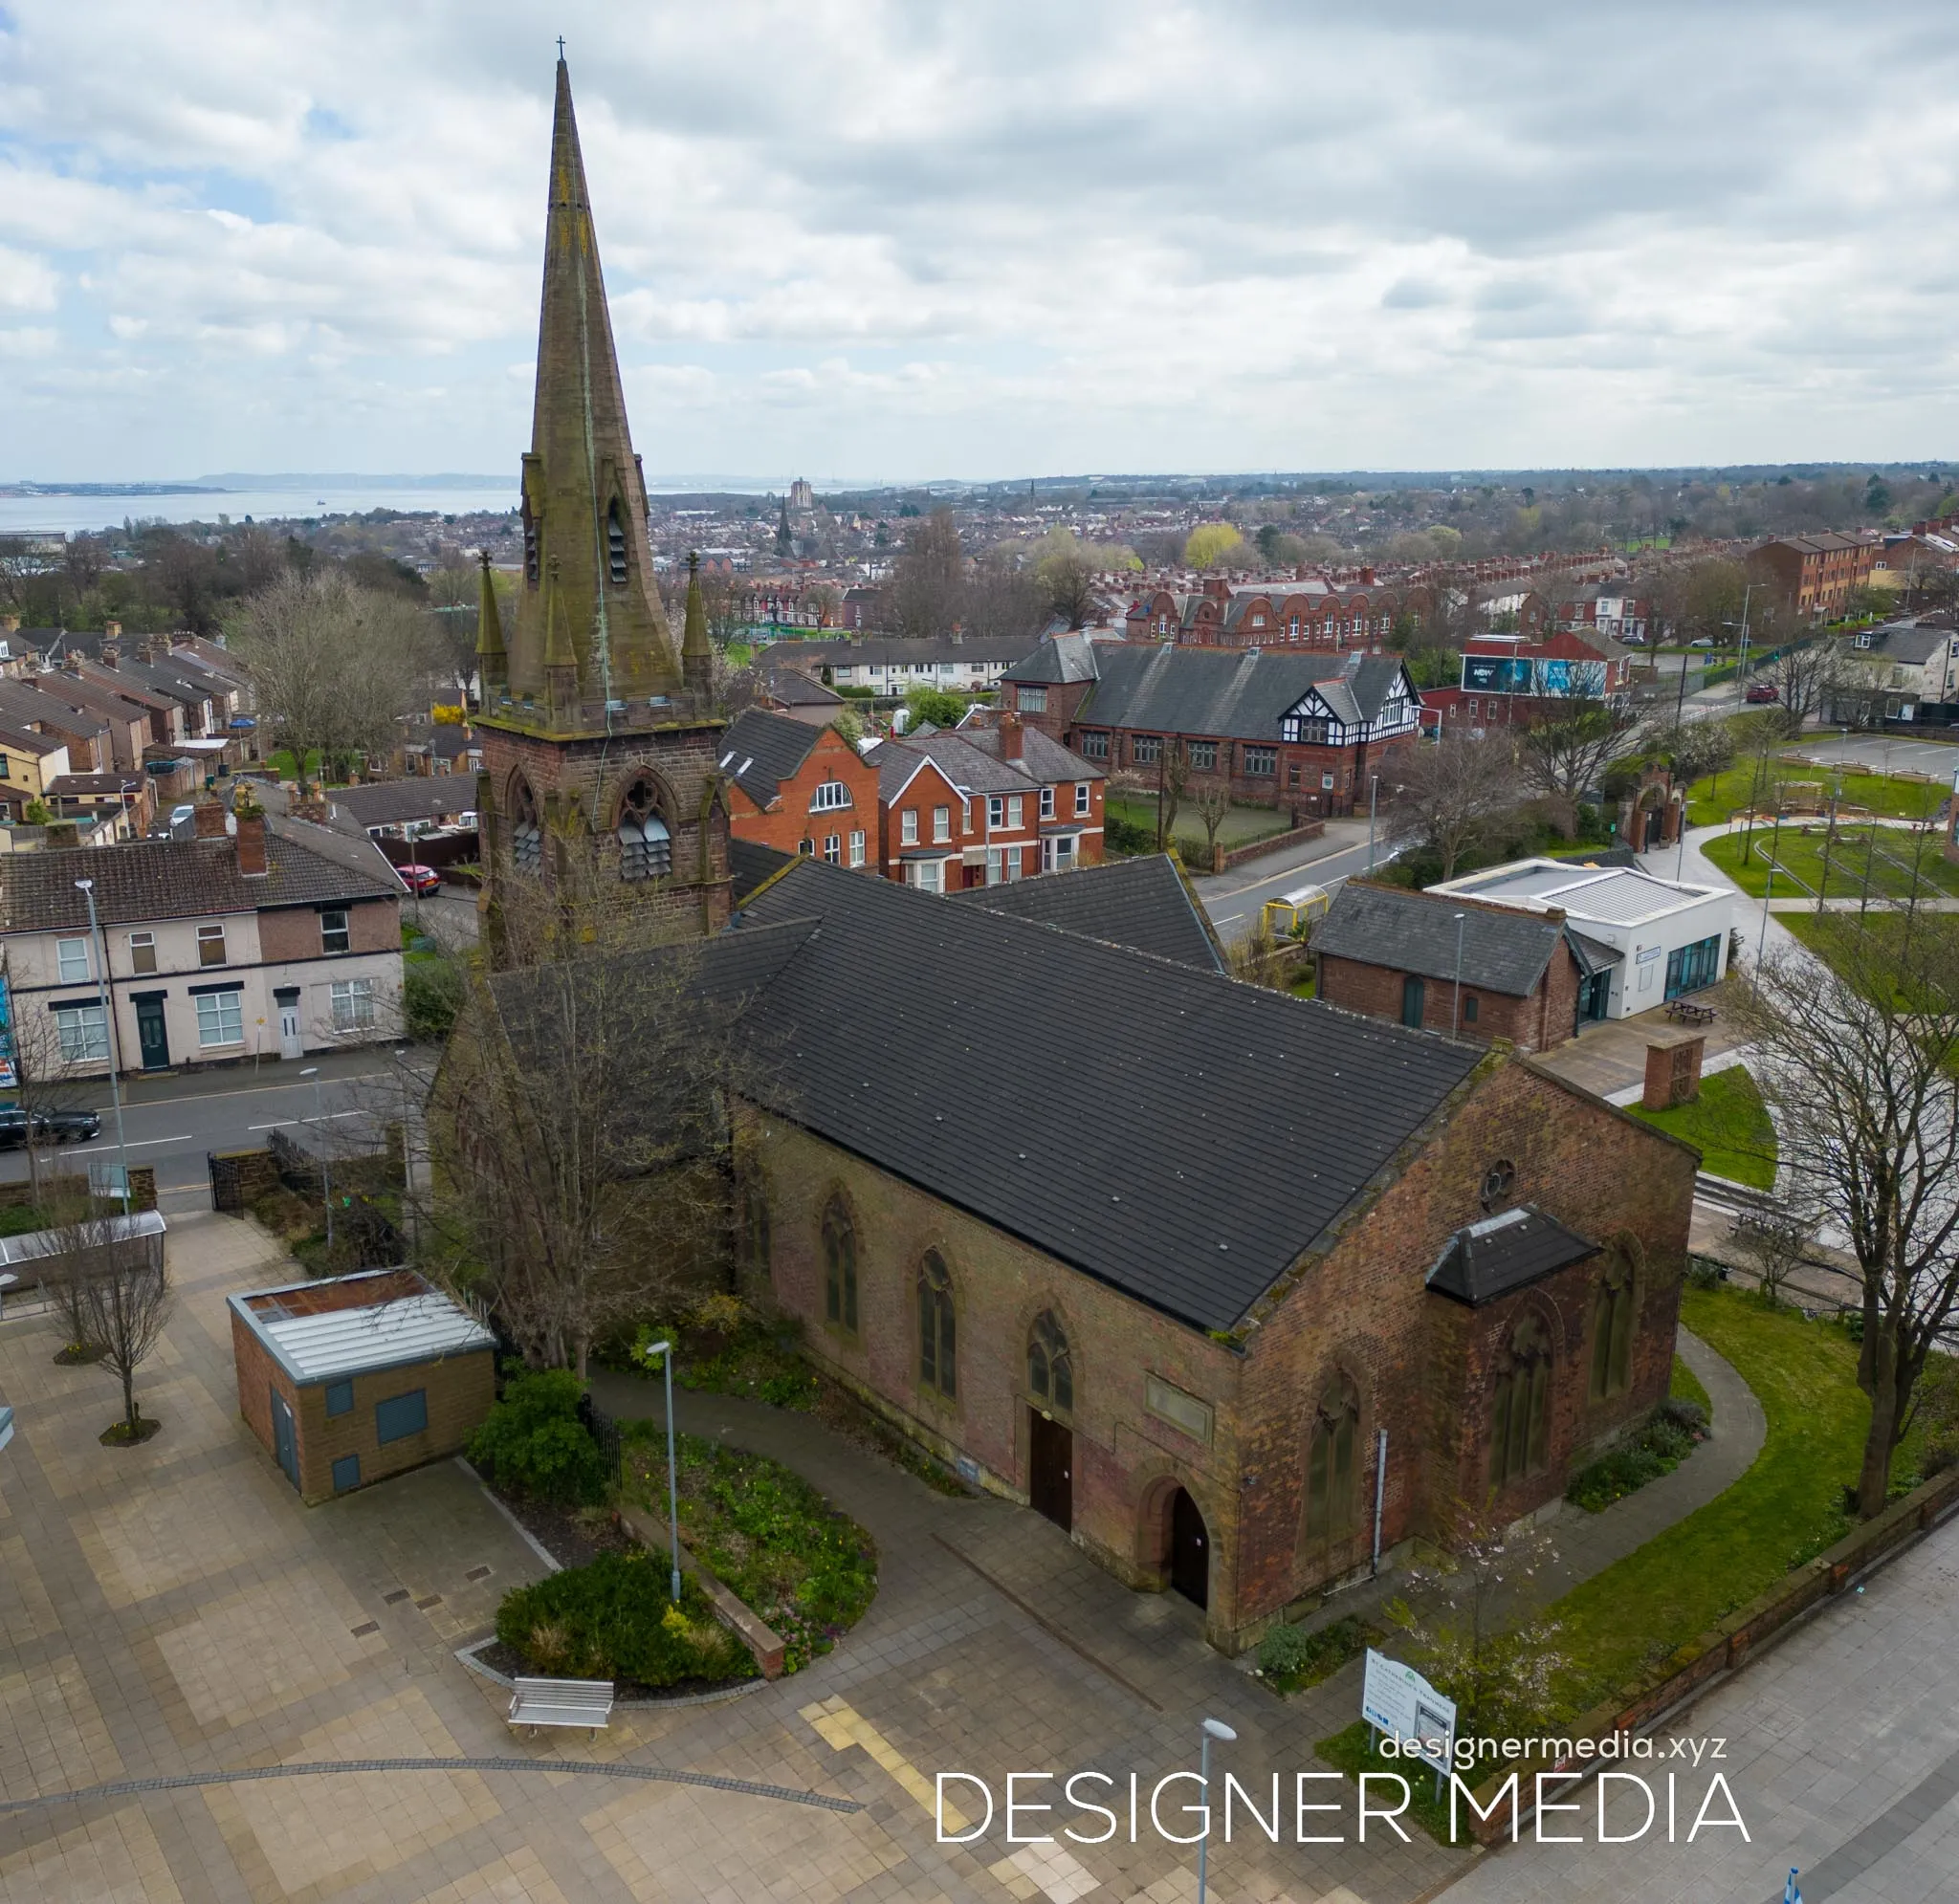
column 599, row 737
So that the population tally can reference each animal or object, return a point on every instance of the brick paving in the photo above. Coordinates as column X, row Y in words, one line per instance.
column 172, row 1613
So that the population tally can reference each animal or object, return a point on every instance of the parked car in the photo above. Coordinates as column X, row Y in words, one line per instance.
column 1763, row 691
column 1703, row 642
column 56, row 1126
column 420, row 879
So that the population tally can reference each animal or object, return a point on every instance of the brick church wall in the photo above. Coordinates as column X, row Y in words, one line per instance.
column 1536, row 1023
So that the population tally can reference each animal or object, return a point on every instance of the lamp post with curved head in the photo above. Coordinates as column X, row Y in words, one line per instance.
column 99, row 953
column 1213, row 1728
column 325, row 1175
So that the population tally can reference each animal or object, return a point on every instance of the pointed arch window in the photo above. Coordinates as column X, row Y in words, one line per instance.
column 1050, row 1366
column 526, row 829
column 840, row 1265
column 533, row 568
column 1520, row 1420
column 615, row 545
column 646, row 847
column 1613, row 1305
column 1332, row 1466
column 938, row 1360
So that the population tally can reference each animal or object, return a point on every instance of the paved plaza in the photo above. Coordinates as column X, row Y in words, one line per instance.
column 175, row 1627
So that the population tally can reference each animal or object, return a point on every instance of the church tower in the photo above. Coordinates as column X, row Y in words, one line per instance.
column 599, row 733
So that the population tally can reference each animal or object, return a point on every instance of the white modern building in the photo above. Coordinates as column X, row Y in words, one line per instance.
column 1664, row 939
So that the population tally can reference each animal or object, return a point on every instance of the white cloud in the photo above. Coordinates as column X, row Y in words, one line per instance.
column 929, row 239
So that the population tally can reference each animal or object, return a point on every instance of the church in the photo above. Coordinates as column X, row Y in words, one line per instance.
column 1241, row 1292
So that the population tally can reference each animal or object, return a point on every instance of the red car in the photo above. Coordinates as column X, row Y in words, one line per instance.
column 1762, row 690
column 420, row 879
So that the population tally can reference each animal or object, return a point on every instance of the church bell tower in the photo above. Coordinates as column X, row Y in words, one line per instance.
column 598, row 735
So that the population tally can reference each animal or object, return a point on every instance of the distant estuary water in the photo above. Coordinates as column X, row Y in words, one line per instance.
column 67, row 515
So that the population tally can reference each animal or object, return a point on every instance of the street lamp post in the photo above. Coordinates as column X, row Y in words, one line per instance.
column 1374, row 793
column 1456, row 1015
column 400, row 1059
column 1213, row 1728
column 326, row 1176
column 98, row 948
column 665, row 1351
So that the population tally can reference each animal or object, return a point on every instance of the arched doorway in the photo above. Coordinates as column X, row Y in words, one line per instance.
column 1190, row 1549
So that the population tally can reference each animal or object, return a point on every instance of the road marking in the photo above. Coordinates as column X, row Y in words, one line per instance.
column 284, row 1121
column 247, row 1092
column 141, row 1144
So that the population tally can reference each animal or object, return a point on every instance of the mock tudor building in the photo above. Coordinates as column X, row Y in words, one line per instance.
column 1298, row 730
column 1530, row 977
column 1185, row 1358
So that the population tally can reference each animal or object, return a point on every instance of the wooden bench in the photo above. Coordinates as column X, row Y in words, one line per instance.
column 1686, row 1013
column 586, row 1703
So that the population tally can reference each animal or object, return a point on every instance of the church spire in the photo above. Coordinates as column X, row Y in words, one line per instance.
column 586, row 556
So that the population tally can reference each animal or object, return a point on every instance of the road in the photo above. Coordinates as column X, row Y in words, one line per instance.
column 171, row 1122
column 1233, row 899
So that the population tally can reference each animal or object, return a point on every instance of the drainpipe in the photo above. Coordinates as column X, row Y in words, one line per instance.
column 1380, row 1489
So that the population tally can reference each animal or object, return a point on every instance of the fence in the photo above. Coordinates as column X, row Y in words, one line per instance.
column 604, row 1431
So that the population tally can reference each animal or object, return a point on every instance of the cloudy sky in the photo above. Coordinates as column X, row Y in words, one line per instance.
column 863, row 240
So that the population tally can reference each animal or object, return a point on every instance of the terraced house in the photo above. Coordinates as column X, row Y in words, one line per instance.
column 1317, row 613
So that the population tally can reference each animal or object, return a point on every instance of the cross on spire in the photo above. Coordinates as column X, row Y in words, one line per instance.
column 560, row 49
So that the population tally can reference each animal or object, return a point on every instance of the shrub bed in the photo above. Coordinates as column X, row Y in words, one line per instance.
column 807, row 1570
column 1291, row 1658
column 614, row 1620
column 1675, row 1431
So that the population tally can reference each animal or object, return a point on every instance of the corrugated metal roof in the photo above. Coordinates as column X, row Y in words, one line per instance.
column 347, row 1341
column 34, row 1244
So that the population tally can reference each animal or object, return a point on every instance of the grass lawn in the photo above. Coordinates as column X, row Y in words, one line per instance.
column 1730, row 1126
column 1784, row 1511
column 1239, row 827
column 1883, row 854
column 1711, row 800
column 1686, row 1387
column 1824, row 934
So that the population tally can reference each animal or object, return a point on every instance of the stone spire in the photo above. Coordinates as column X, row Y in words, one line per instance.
column 586, row 557
column 696, row 656
column 492, row 664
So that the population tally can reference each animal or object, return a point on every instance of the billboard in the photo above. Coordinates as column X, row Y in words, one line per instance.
column 10, row 1075
column 1538, row 675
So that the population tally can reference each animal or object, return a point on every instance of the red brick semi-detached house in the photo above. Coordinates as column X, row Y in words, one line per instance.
column 1185, row 1362
column 1301, row 731
column 799, row 789
column 1530, row 978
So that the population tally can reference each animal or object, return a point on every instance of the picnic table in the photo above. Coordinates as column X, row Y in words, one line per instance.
column 1683, row 1011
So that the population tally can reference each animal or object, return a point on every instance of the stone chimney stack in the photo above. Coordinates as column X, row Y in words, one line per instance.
column 112, row 631
column 112, row 655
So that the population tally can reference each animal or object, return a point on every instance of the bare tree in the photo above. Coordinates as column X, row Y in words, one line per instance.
column 1172, row 776
column 51, row 1073
column 1804, row 676
column 1002, row 598
column 1451, row 796
column 582, row 1124
column 1068, row 577
column 113, row 1294
column 1211, row 802
column 1774, row 1243
column 1563, row 752
column 928, row 579
column 334, row 667
column 1859, row 1058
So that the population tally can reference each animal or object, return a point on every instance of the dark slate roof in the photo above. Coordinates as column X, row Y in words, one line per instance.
column 750, row 865
column 1908, row 642
column 1503, row 951
column 978, row 1056
column 391, row 802
column 797, row 689
column 1058, row 660
column 1504, row 1252
column 969, row 768
column 1141, row 903
column 179, row 879
column 1226, row 693
column 761, row 749
column 1592, row 955
column 1042, row 759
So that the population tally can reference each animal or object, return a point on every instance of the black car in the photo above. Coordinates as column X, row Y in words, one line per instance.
column 51, row 1127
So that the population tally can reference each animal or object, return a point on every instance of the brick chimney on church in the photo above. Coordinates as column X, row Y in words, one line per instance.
column 1012, row 741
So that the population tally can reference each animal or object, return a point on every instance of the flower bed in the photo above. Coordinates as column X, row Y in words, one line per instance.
column 807, row 1570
